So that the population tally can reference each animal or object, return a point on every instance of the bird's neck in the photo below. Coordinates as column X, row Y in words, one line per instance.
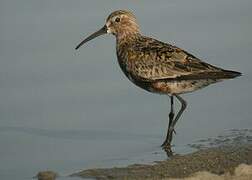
column 127, row 37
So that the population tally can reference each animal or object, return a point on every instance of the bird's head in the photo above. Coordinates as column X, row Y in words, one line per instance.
column 120, row 23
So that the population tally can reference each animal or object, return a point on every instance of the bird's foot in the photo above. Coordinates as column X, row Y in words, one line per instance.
column 166, row 146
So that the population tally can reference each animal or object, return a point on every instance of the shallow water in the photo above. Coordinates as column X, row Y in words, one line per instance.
column 232, row 137
column 66, row 110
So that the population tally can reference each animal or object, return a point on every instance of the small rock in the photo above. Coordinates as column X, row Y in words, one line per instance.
column 243, row 169
column 46, row 175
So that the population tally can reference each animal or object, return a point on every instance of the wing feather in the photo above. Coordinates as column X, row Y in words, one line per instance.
column 151, row 60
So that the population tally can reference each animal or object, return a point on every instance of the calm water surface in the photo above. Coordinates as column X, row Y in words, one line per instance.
column 66, row 110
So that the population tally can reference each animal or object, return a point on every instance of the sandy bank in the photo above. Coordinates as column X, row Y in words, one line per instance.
column 219, row 161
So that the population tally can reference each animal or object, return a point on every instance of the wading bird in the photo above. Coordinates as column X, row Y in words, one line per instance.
column 156, row 66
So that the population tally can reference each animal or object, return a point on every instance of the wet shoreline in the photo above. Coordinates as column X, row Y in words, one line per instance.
column 217, row 160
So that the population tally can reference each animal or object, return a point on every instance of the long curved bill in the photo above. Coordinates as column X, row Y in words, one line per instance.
column 102, row 31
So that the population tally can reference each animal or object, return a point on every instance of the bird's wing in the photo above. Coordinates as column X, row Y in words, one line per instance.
column 151, row 60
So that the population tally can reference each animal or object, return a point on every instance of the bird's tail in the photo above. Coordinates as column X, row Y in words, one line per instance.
column 221, row 74
column 230, row 74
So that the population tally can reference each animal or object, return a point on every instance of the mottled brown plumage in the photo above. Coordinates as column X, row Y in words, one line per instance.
column 157, row 66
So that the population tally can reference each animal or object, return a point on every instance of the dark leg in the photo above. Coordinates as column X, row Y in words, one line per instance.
column 171, row 116
column 183, row 107
column 172, row 122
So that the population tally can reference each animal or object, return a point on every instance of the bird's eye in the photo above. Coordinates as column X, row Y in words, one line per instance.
column 117, row 19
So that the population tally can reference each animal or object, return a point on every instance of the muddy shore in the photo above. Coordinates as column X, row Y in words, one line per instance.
column 217, row 160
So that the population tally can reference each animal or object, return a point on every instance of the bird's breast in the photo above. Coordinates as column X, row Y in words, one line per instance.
column 122, row 57
column 127, row 67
